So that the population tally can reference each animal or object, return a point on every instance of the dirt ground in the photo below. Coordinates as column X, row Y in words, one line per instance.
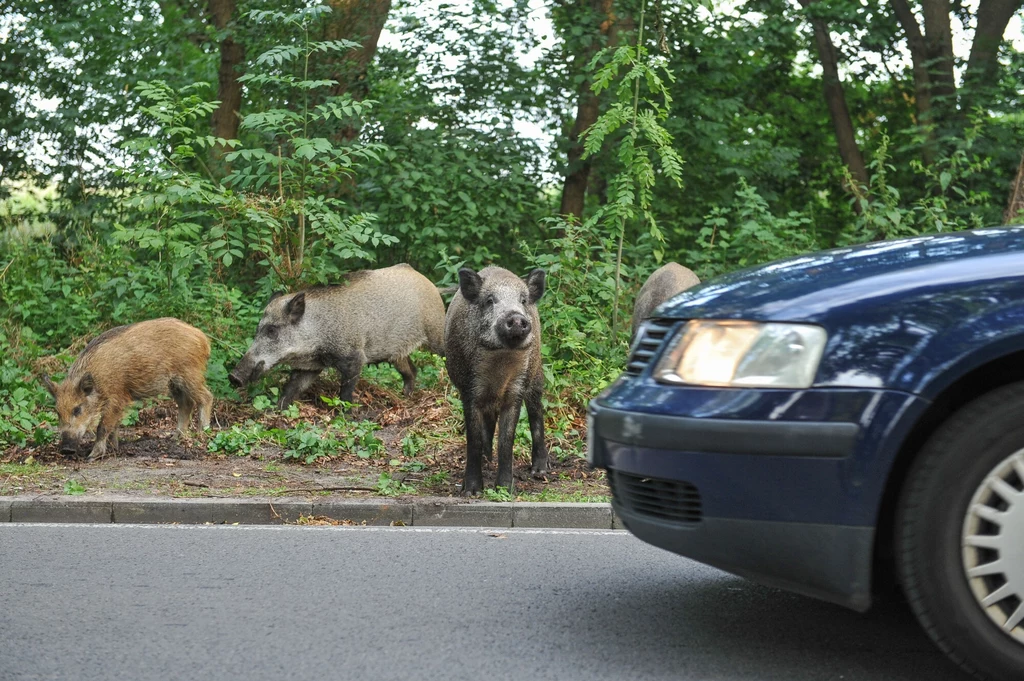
column 153, row 460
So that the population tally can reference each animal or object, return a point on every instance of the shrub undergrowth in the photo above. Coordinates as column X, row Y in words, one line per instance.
column 206, row 229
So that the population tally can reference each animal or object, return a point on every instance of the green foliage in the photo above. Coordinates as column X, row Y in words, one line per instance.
column 279, row 205
column 949, row 203
column 437, row 479
column 308, row 443
column 239, row 440
column 387, row 486
column 746, row 234
column 131, row 417
column 579, row 346
column 145, row 214
column 497, row 494
column 21, row 397
column 632, row 187
column 357, row 437
column 262, row 403
column 412, row 444
column 73, row 488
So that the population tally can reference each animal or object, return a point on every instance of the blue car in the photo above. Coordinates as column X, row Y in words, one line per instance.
column 837, row 423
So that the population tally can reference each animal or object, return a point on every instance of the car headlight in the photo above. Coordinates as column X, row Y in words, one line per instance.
column 743, row 354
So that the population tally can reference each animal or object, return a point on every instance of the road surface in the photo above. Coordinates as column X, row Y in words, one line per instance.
column 289, row 603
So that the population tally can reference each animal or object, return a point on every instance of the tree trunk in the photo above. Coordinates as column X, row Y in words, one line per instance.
column 938, row 39
column 836, row 100
column 1015, row 209
column 360, row 21
column 992, row 18
column 574, row 190
column 919, row 57
column 932, row 54
column 577, row 175
column 229, row 91
column 923, row 78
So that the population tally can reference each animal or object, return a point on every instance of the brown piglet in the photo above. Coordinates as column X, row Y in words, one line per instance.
column 157, row 357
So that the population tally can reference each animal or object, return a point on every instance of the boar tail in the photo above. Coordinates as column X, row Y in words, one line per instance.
column 448, row 290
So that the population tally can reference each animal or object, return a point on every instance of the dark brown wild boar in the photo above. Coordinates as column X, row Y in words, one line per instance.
column 157, row 357
column 667, row 281
column 492, row 352
column 375, row 316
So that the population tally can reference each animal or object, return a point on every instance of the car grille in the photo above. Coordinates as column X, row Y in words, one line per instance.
column 671, row 500
column 652, row 335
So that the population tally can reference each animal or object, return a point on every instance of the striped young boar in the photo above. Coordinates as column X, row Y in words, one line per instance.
column 667, row 281
column 157, row 357
column 375, row 316
column 492, row 352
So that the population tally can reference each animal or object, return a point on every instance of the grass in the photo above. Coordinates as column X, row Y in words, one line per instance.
column 22, row 469
column 578, row 497
column 191, row 492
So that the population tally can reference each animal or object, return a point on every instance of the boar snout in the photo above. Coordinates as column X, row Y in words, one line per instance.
column 513, row 329
column 245, row 373
column 68, row 445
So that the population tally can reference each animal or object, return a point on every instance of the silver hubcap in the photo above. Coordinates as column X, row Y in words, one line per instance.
column 993, row 545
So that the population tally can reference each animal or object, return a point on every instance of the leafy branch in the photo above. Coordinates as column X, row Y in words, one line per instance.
column 640, row 117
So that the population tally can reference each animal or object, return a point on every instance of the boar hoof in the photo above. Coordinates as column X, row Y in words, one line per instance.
column 97, row 454
column 539, row 471
column 508, row 487
column 472, row 488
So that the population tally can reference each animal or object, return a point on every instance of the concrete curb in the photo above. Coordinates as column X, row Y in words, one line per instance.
column 433, row 512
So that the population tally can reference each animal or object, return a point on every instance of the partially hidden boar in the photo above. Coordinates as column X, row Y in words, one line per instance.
column 375, row 316
column 492, row 352
column 667, row 281
column 157, row 357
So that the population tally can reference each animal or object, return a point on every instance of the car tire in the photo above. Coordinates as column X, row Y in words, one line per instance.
column 953, row 523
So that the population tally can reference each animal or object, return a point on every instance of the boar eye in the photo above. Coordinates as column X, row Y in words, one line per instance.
column 76, row 411
column 490, row 301
column 271, row 331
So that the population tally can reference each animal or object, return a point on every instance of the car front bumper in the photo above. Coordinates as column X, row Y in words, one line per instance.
column 787, row 503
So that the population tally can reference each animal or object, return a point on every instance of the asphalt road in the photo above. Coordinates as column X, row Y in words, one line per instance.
column 216, row 602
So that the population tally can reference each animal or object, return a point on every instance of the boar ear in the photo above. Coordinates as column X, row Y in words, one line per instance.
column 87, row 385
column 296, row 307
column 535, row 281
column 469, row 284
column 48, row 384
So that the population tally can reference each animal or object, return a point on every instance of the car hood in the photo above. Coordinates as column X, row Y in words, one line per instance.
column 806, row 287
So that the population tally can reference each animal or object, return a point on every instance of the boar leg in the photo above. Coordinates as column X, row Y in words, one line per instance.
column 298, row 382
column 507, row 420
column 205, row 407
column 185, row 408
column 349, row 368
column 107, row 430
column 490, row 421
column 408, row 371
column 473, row 481
column 535, row 411
column 179, row 390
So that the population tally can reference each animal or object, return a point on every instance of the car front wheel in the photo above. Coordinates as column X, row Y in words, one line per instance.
column 960, row 535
